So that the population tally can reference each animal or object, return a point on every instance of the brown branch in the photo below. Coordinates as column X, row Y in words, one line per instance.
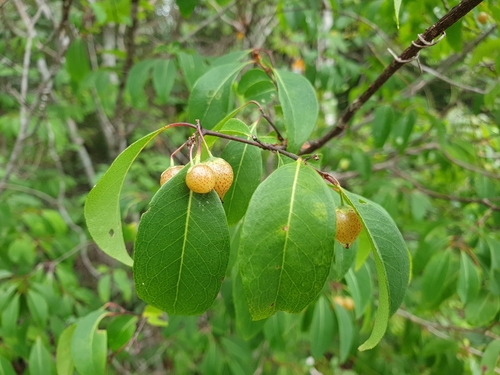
column 408, row 55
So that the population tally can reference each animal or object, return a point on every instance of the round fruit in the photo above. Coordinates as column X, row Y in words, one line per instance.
column 348, row 226
column 482, row 18
column 200, row 178
column 169, row 173
column 223, row 175
column 348, row 303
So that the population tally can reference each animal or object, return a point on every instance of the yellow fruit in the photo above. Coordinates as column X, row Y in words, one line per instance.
column 348, row 226
column 223, row 175
column 200, row 178
column 169, row 173
column 348, row 303
column 339, row 300
column 482, row 18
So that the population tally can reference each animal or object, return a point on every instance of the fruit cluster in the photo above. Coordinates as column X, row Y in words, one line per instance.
column 214, row 173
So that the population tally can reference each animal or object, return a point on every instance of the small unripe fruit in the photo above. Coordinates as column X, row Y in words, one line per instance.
column 169, row 173
column 200, row 178
column 482, row 18
column 348, row 303
column 348, row 226
column 223, row 175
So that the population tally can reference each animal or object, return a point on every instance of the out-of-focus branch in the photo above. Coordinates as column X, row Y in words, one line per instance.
column 82, row 151
column 424, row 40
column 485, row 201
column 129, row 61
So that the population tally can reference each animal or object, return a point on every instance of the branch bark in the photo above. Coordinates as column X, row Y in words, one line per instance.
column 408, row 55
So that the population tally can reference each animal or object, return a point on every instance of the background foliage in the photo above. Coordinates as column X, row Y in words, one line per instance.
column 79, row 81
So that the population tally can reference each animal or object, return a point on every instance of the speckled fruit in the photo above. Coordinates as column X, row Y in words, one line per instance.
column 169, row 173
column 223, row 175
column 348, row 226
column 200, row 178
column 482, row 18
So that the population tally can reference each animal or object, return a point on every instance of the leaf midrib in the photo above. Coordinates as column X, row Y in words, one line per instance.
column 186, row 228
column 292, row 199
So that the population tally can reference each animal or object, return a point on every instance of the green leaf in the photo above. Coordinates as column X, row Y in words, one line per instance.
column 121, row 330
column 10, row 316
column 22, row 250
column 210, row 99
column 246, row 161
column 246, row 327
column 256, row 85
column 287, row 241
column 40, row 361
column 343, row 260
column 230, row 58
column 186, row 7
column 64, row 360
column 382, row 124
column 360, row 288
column 122, row 282
column 136, row 80
column 346, row 330
column 181, row 250
column 484, row 50
column 300, row 107
column 402, row 131
column 397, row 7
column 468, row 279
column 454, row 36
column 102, row 207
column 482, row 310
column 213, row 361
column 154, row 316
column 77, row 62
column 88, row 345
column 38, row 308
column 490, row 358
column 192, row 67
column 6, row 367
column 420, row 204
column 322, row 328
column 434, row 279
column 163, row 79
column 391, row 260
column 104, row 288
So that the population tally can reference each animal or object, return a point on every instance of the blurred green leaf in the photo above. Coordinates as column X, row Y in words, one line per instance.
column 77, row 62
column 154, row 316
column 64, row 360
column 322, row 329
column 104, row 288
column 360, row 288
column 468, row 279
column 136, row 80
column 164, row 72
column 346, row 330
column 40, row 360
column 192, row 66
column 186, row 7
column 382, row 124
column 88, row 345
column 6, row 367
column 38, row 308
column 490, row 358
column 121, row 330
column 482, row 310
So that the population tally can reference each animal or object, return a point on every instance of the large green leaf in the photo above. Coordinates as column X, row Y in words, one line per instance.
column 40, row 361
column 322, row 328
column 181, row 250
column 163, row 78
column 102, row 207
column 468, row 279
column 391, row 259
column 300, row 107
column 482, row 310
column 88, row 345
column 210, row 99
column 246, row 162
column 287, row 239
